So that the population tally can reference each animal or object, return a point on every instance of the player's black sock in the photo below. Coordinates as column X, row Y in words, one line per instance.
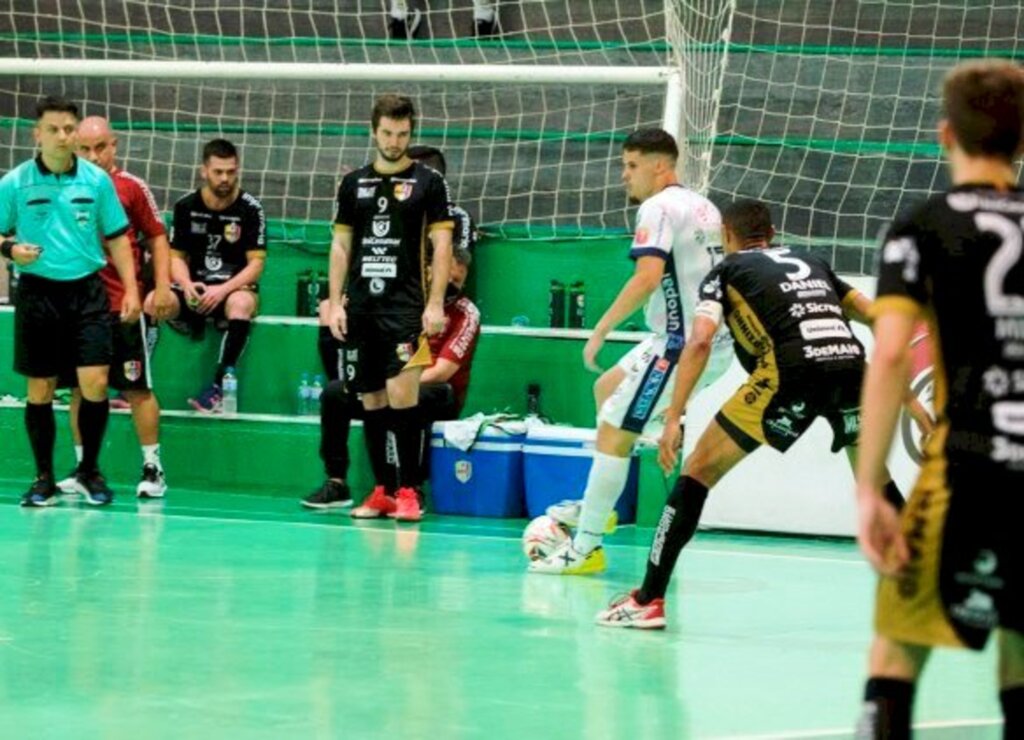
column 42, row 434
column 92, row 423
column 888, row 703
column 678, row 522
column 407, row 426
column 892, row 495
column 335, row 422
column 375, row 432
column 1012, row 700
column 235, row 339
column 330, row 353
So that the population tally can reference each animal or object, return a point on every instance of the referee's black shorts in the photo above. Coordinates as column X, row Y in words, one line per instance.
column 60, row 324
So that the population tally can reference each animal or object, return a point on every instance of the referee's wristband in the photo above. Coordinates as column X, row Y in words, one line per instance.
column 7, row 248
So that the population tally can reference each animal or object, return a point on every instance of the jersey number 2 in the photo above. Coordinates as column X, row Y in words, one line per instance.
column 998, row 302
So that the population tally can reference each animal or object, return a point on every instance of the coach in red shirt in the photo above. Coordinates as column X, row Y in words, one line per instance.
column 129, row 370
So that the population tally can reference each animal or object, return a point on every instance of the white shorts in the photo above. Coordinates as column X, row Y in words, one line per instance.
column 639, row 402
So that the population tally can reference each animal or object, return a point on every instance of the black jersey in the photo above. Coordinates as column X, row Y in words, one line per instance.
column 958, row 257
column 216, row 242
column 390, row 217
column 783, row 306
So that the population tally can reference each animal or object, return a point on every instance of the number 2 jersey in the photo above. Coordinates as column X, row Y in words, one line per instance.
column 783, row 311
column 390, row 216
column 957, row 260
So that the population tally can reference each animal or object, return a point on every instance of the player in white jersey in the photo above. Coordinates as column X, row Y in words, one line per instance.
column 673, row 251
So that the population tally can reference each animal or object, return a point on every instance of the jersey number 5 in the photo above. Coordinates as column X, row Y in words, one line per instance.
column 998, row 302
column 779, row 255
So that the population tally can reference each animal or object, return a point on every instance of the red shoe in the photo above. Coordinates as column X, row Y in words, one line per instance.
column 408, row 507
column 626, row 611
column 375, row 506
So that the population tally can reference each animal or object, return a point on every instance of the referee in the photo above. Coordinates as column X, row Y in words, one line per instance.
column 56, row 210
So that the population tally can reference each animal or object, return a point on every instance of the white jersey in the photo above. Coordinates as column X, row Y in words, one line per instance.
column 682, row 227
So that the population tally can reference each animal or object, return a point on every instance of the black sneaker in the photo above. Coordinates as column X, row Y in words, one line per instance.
column 96, row 490
column 42, row 492
column 331, row 495
column 404, row 28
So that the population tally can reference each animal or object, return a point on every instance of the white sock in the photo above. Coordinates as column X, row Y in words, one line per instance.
column 605, row 484
column 151, row 455
column 399, row 9
column 78, row 454
column 485, row 10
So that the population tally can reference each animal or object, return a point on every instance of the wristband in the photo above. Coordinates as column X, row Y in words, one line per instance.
column 7, row 248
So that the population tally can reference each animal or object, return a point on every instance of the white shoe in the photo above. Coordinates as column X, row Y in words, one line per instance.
column 566, row 560
column 71, row 486
column 567, row 513
column 153, row 483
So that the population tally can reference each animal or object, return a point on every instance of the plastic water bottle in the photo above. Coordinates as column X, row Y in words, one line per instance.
column 229, row 391
column 314, row 394
column 533, row 399
column 577, row 305
column 556, row 304
column 304, row 395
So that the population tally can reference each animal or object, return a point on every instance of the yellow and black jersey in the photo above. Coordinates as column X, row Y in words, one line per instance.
column 783, row 310
column 956, row 260
column 390, row 216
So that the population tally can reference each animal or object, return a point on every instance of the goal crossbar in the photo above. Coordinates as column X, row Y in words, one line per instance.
column 427, row 73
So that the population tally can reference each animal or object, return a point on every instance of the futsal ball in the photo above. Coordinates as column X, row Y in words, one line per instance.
column 542, row 536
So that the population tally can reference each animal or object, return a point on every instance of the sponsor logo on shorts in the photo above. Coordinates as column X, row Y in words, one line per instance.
column 405, row 351
column 132, row 370
column 977, row 610
column 984, row 572
column 851, row 422
column 783, row 427
column 651, row 389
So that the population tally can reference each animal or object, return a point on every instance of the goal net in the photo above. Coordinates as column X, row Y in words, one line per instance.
column 530, row 153
column 829, row 110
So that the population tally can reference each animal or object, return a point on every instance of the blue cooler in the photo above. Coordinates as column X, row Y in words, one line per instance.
column 556, row 463
column 486, row 480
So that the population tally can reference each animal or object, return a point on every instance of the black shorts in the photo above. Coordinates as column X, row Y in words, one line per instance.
column 129, row 364
column 60, row 324
column 195, row 322
column 775, row 409
column 380, row 347
column 966, row 571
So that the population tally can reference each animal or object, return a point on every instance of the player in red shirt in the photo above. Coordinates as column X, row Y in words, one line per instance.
column 129, row 370
column 443, row 389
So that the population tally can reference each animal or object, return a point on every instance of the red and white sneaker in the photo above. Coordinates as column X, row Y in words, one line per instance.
column 407, row 508
column 625, row 611
column 378, row 504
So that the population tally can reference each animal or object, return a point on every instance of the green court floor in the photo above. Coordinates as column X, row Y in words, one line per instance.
column 217, row 616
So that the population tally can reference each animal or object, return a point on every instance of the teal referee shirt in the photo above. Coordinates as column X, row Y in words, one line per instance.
column 67, row 214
